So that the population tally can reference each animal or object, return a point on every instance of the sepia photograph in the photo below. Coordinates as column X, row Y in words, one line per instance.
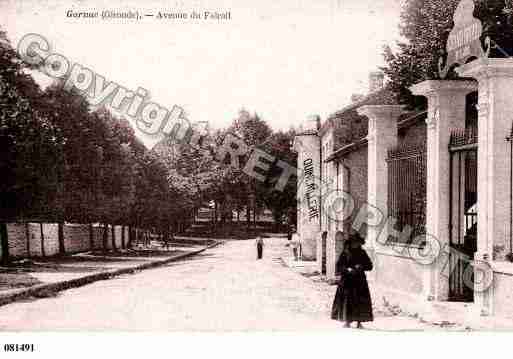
column 254, row 167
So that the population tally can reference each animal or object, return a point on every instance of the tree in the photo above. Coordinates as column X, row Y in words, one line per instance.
column 61, row 162
column 117, row 172
column 281, row 203
column 29, row 145
column 425, row 25
column 254, row 132
column 80, row 157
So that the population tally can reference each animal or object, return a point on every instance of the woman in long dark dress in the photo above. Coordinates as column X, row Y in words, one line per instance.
column 353, row 301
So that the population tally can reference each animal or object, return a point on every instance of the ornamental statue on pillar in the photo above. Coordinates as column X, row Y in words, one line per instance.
column 464, row 42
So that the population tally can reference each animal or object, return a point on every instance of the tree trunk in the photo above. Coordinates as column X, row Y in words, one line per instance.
column 248, row 215
column 62, row 250
column 123, row 237
column 43, row 254
column 5, row 244
column 215, row 213
column 166, row 234
column 105, row 236
column 130, row 237
column 91, row 236
column 27, row 237
column 113, row 229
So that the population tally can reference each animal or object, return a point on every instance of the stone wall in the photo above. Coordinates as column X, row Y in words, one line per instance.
column 117, row 230
column 319, row 255
column 50, row 245
column 330, row 256
column 25, row 240
column 35, row 244
column 398, row 273
column 51, row 238
column 76, row 238
column 339, row 246
column 21, row 246
column 357, row 162
column 17, row 239
column 98, row 237
column 352, row 179
column 109, row 238
column 503, row 294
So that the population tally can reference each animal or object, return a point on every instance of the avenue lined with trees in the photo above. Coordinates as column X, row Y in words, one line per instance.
column 63, row 161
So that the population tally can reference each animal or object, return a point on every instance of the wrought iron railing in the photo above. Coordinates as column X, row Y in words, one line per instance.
column 407, row 152
column 463, row 137
column 407, row 189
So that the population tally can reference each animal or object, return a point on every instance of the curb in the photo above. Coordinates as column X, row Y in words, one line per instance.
column 79, row 282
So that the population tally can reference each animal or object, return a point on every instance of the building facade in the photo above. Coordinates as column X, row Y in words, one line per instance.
column 430, row 190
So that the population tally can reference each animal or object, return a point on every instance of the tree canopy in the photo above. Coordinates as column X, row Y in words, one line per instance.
column 64, row 161
column 425, row 27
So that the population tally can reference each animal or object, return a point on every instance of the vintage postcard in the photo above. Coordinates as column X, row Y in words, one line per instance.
column 337, row 166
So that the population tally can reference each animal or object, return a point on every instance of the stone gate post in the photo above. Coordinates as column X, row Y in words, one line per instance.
column 309, row 191
column 446, row 111
column 381, row 138
column 495, row 78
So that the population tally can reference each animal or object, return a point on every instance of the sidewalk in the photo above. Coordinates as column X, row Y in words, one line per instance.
column 44, row 277
column 306, row 266
column 391, row 315
column 408, row 309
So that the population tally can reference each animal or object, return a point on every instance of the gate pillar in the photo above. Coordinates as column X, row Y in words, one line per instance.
column 381, row 138
column 495, row 78
column 307, row 145
column 337, row 224
column 446, row 111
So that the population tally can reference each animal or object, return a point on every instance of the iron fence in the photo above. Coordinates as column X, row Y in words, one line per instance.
column 407, row 188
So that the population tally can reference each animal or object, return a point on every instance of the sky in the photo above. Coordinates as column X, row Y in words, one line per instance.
column 284, row 59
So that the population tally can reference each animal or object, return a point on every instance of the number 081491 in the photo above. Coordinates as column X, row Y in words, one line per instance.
column 18, row 347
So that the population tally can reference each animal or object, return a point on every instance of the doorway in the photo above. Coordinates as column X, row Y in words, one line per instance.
column 463, row 214
column 324, row 244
